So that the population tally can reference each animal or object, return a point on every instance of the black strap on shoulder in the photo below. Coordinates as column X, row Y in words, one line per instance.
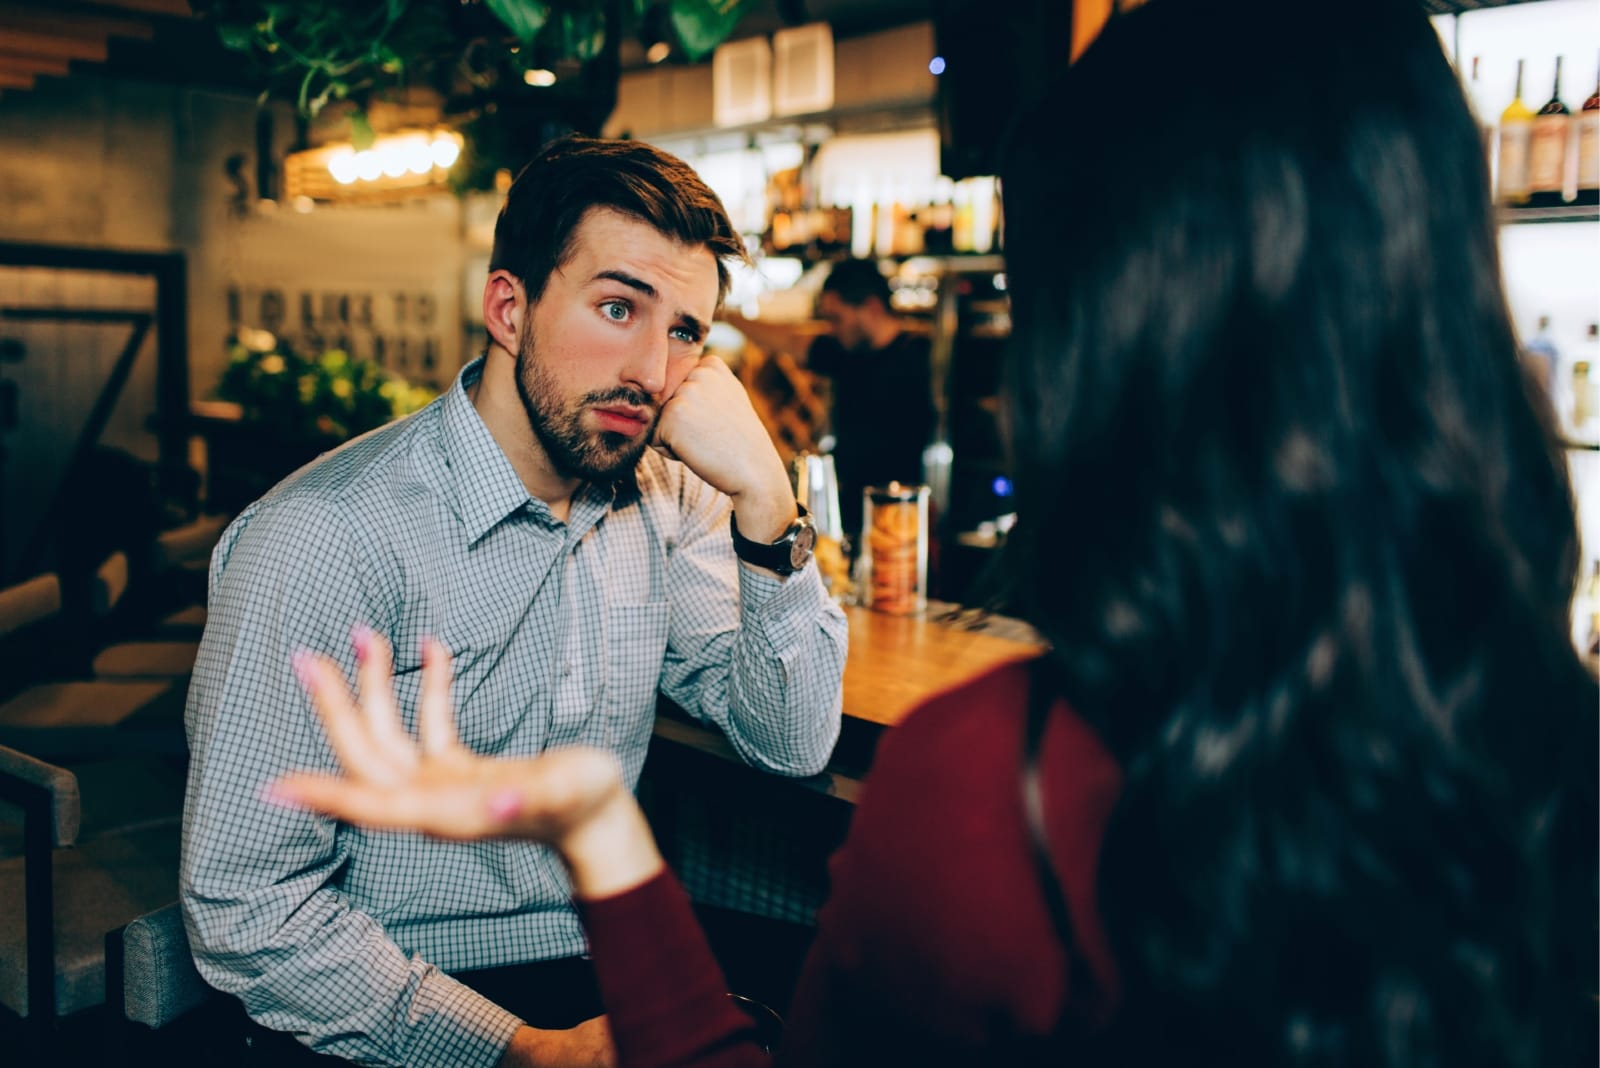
column 1082, row 989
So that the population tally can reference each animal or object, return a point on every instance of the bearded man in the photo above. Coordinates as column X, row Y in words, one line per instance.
column 572, row 570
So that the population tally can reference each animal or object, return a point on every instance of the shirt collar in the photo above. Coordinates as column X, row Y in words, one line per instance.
column 487, row 488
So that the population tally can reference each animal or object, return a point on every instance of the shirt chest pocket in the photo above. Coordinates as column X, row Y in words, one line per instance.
column 636, row 646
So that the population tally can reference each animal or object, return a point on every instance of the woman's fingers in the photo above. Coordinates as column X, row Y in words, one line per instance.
column 374, row 674
column 447, row 811
column 347, row 728
column 436, row 728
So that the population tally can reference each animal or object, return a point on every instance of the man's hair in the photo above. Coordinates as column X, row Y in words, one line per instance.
column 857, row 281
column 1320, row 613
column 573, row 175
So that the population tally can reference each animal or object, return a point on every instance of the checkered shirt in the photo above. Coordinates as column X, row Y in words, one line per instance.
column 562, row 633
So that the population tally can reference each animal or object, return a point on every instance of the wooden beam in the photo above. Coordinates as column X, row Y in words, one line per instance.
column 175, row 8
column 14, row 80
column 69, row 24
column 34, row 43
column 19, row 63
column 1088, row 19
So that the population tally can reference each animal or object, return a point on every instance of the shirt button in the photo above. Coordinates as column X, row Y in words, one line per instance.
column 566, row 667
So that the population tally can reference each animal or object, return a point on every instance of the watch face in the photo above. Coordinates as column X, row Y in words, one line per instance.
column 805, row 539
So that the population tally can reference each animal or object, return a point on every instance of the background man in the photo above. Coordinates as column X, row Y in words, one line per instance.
column 882, row 412
column 572, row 571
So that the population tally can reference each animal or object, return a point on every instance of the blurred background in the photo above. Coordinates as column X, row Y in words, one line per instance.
column 234, row 233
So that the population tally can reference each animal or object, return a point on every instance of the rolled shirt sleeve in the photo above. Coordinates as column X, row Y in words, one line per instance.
column 760, row 657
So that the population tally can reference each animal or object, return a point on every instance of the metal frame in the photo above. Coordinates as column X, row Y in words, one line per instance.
column 38, row 910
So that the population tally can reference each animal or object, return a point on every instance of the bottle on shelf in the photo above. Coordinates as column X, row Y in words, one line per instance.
column 1547, row 150
column 1586, row 136
column 1475, row 98
column 1542, row 357
column 1516, row 130
column 1585, row 409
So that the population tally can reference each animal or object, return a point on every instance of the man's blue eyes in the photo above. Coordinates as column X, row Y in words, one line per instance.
column 620, row 311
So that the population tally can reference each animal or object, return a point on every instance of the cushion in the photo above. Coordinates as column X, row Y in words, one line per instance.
column 129, row 660
column 99, row 886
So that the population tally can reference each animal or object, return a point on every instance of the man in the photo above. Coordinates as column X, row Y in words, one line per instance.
column 882, row 411
column 572, row 571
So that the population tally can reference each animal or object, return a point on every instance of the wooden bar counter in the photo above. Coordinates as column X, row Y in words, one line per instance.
column 745, row 840
column 894, row 664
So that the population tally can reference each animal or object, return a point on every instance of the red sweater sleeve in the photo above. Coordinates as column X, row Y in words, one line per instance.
column 665, row 996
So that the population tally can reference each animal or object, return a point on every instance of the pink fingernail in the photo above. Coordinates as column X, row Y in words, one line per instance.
column 505, row 805
column 301, row 662
column 361, row 638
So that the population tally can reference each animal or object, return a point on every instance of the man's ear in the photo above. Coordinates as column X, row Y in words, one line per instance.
column 504, row 302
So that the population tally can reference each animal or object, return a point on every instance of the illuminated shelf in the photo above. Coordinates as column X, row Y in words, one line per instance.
column 1559, row 214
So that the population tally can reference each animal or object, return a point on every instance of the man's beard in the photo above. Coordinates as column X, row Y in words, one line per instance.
column 593, row 456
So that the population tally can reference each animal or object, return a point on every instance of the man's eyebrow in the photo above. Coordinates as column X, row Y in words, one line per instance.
column 630, row 281
column 648, row 290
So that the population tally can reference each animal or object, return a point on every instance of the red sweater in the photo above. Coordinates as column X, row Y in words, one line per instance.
column 935, row 944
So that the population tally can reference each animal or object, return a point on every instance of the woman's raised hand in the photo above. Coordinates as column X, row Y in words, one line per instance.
column 572, row 799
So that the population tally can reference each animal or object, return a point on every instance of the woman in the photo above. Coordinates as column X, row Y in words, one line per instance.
column 1317, row 759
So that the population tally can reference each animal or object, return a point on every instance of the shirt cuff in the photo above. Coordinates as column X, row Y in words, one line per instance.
column 458, row 1026
column 783, row 609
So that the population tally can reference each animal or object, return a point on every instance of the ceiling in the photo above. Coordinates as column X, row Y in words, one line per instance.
column 162, row 41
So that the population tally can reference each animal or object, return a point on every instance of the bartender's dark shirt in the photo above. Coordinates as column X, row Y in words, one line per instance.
column 883, row 414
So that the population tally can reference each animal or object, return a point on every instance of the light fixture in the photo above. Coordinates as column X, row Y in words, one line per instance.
column 539, row 77
column 402, row 163
column 658, row 51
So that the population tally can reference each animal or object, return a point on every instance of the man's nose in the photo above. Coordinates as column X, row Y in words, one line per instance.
column 647, row 370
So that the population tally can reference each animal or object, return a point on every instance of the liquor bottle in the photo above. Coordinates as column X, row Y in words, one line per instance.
column 1516, row 129
column 1542, row 357
column 1585, row 394
column 1547, row 149
column 1587, row 136
column 1475, row 98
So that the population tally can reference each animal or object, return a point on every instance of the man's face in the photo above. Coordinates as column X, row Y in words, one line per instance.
column 616, row 330
column 844, row 322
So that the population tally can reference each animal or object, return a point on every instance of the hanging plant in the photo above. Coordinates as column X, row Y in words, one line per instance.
column 316, row 51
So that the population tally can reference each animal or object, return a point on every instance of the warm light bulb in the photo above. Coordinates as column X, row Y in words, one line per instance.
column 445, row 150
column 342, row 165
column 539, row 77
column 368, row 165
column 419, row 155
column 393, row 158
column 658, row 52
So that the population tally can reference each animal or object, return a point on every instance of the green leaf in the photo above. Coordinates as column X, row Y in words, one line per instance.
column 524, row 18
column 361, row 135
column 237, row 38
column 702, row 25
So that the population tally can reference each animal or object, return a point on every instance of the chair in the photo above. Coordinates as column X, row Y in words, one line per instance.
column 74, row 889
column 138, row 658
column 49, row 709
column 150, row 974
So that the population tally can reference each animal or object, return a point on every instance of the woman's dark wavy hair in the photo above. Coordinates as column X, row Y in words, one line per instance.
column 1303, row 546
column 572, row 175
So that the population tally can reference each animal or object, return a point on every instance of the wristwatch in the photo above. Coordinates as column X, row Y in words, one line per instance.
column 790, row 553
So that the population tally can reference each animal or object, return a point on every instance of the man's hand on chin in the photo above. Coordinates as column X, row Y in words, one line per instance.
column 586, row 1046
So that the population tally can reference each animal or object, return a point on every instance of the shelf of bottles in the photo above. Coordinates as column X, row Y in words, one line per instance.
column 1545, row 163
column 946, row 218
